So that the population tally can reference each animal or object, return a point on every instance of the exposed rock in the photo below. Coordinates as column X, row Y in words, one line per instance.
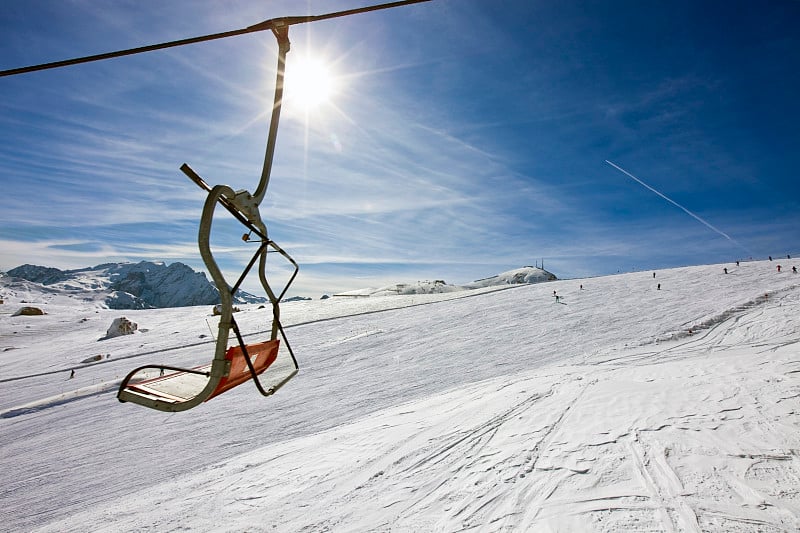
column 158, row 285
column 296, row 299
column 28, row 311
column 39, row 274
column 125, row 300
column 121, row 326
column 217, row 310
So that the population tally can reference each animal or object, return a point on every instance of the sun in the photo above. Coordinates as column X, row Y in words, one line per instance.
column 309, row 83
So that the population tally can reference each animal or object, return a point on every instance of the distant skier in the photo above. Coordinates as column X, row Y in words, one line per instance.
column 654, row 275
column 659, row 287
column 770, row 258
column 779, row 268
column 72, row 374
column 794, row 270
column 725, row 269
column 737, row 263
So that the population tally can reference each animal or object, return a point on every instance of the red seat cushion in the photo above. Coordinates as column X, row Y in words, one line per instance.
column 261, row 355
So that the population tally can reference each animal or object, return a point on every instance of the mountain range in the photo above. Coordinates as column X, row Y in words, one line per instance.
column 149, row 285
column 143, row 285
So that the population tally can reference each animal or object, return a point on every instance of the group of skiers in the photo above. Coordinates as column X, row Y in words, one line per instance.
column 558, row 298
column 788, row 256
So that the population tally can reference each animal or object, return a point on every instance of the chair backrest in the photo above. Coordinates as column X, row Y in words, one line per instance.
column 261, row 355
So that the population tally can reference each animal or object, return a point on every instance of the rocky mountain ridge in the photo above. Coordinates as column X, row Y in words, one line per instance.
column 143, row 285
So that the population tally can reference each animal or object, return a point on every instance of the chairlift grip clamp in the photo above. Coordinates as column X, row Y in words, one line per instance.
column 247, row 204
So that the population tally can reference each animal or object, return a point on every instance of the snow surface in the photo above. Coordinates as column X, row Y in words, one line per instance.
column 492, row 410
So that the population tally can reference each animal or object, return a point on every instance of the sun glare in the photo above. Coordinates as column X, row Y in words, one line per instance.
column 309, row 83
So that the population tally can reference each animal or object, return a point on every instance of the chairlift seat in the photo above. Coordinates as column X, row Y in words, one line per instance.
column 169, row 391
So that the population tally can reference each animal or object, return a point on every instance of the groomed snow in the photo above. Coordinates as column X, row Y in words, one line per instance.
column 623, row 408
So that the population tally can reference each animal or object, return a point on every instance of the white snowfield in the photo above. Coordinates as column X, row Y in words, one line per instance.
column 622, row 408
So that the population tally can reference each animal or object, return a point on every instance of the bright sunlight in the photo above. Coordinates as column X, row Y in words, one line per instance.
column 309, row 82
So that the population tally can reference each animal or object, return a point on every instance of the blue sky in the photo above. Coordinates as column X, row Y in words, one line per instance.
column 462, row 138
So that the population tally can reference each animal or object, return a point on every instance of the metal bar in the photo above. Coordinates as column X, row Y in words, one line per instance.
column 289, row 258
column 195, row 177
column 282, row 35
column 249, row 362
column 120, row 53
column 246, row 270
column 289, row 348
column 270, row 24
column 135, row 371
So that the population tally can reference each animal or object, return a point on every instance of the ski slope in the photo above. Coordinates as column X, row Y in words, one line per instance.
column 623, row 408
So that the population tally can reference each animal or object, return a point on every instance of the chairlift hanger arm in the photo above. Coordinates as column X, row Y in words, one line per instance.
column 271, row 24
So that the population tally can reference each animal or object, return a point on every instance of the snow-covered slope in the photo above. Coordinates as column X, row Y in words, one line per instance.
column 524, row 275
column 142, row 285
column 622, row 408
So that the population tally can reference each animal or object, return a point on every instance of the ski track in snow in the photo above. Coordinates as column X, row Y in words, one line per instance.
column 496, row 412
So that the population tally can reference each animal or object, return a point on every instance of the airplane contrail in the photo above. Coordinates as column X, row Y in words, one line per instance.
column 676, row 204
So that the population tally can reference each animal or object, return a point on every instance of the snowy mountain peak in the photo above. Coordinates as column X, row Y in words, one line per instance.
column 142, row 285
column 527, row 274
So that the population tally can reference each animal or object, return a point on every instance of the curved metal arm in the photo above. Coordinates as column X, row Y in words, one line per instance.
column 225, row 196
column 282, row 34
